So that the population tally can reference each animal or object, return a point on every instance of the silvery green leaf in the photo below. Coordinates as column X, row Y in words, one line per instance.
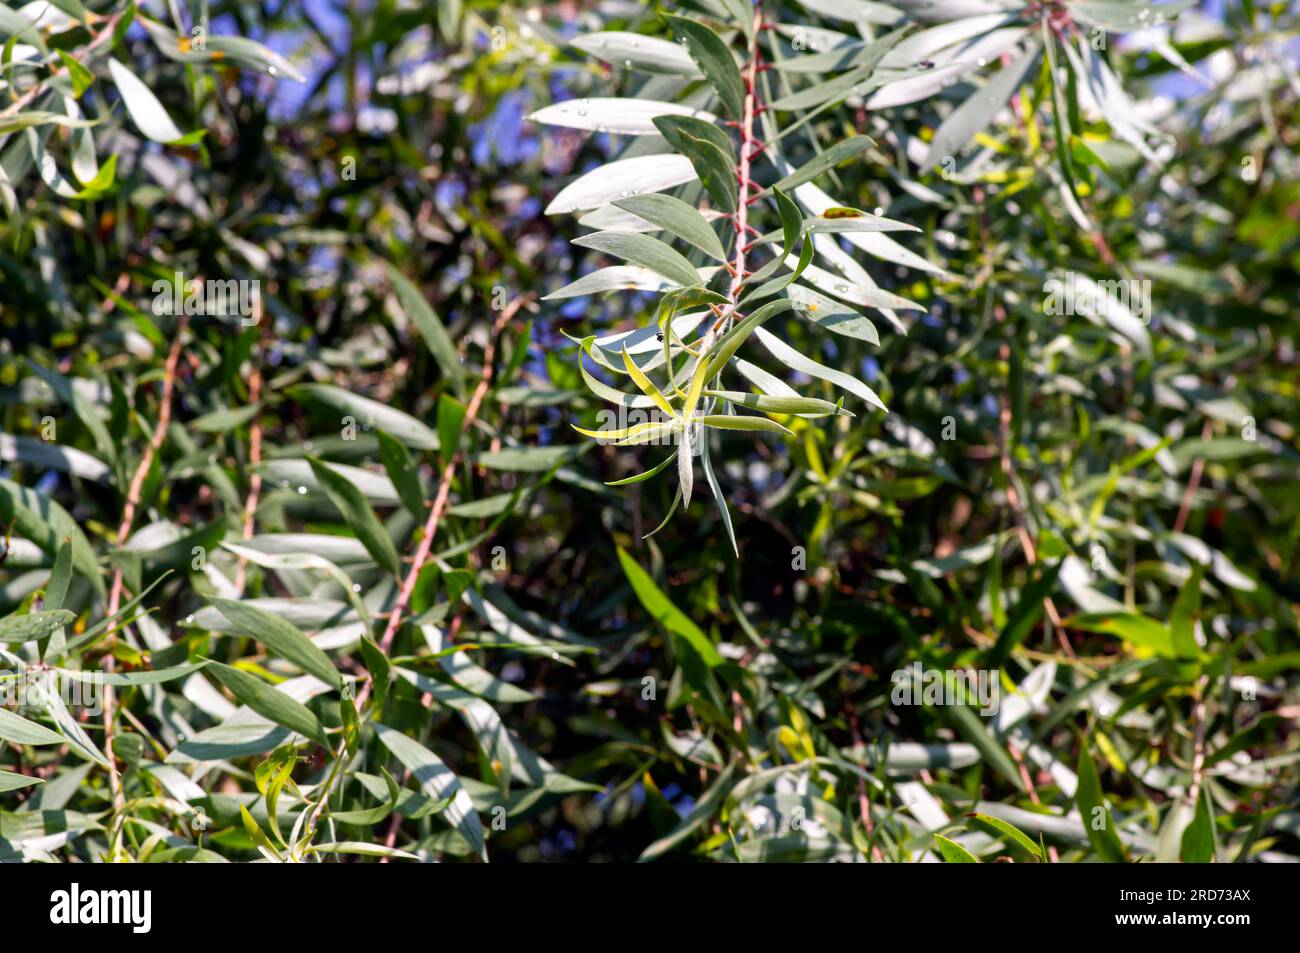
column 629, row 117
column 857, row 82
column 526, row 459
column 621, row 178
column 979, row 109
column 611, row 218
column 709, row 150
column 12, row 782
column 1098, row 305
column 53, row 456
column 157, row 676
column 686, row 468
column 338, row 549
column 34, row 625
column 645, row 340
column 613, row 278
column 943, row 10
column 297, row 475
column 367, row 414
column 856, row 11
column 743, row 422
column 840, row 152
column 949, row 66
column 730, row 342
column 841, row 223
column 645, row 251
column 303, row 613
column 15, row 24
column 873, row 243
column 269, row 702
column 925, row 44
column 714, row 59
column 831, row 315
column 768, row 383
column 74, row 734
column 857, row 294
column 431, row 329
column 817, row 39
column 476, row 679
column 1120, row 17
column 146, row 111
column 480, row 717
column 282, row 637
column 251, row 55
column 634, row 51
column 438, row 782
column 674, row 215
column 857, row 55
column 718, row 498
column 796, row 361
column 20, row 731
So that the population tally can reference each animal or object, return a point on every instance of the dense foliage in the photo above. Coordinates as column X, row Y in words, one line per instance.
column 360, row 362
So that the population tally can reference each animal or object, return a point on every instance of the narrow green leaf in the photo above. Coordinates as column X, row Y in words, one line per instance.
column 996, row 827
column 360, row 517
column 34, row 625
column 953, row 852
column 1198, row 840
column 281, row 637
column 1025, row 614
column 269, row 703
column 804, row 406
column 740, row 422
column 979, row 109
column 378, row 666
column 12, row 782
column 645, row 251
column 675, row 216
column 366, row 414
column 438, row 782
column 840, row 152
column 714, row 60
column 430, row 325
column 1097, row 822
column 21, row 731
column 1187, row 609
column 665, row 613
column 402, row 471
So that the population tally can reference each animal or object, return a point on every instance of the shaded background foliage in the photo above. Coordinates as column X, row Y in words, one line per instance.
column 865, row 544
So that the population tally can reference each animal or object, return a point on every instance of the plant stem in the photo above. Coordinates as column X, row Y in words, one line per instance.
column 133, row 494
column 741, row 217
column 426, row 543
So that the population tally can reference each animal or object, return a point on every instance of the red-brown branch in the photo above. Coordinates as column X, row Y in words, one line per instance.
column 133, row 494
